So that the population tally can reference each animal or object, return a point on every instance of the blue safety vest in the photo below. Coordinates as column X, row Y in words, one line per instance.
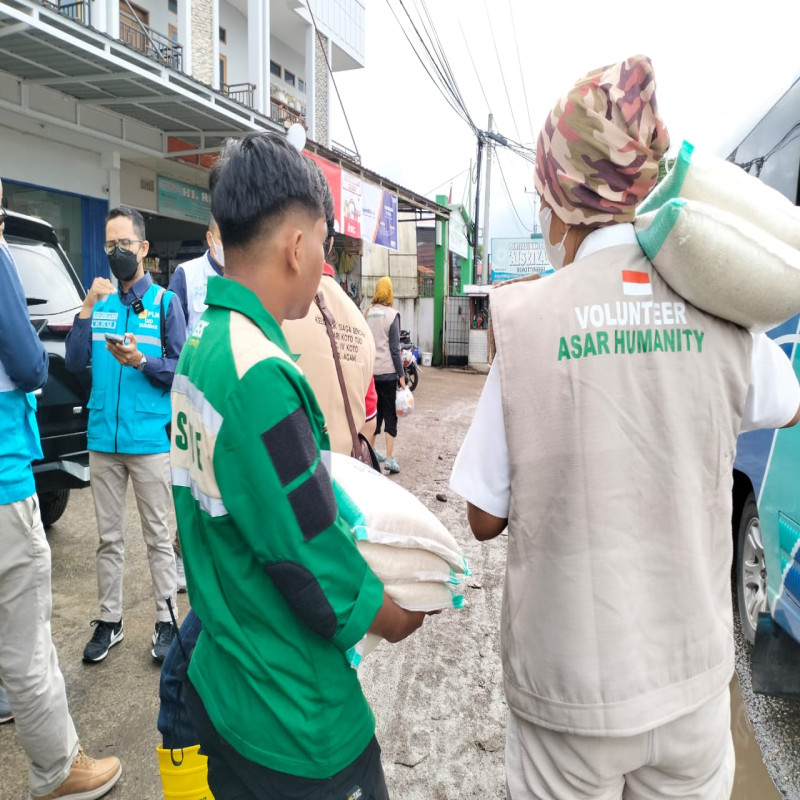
column 19, row 441
column 127, row 413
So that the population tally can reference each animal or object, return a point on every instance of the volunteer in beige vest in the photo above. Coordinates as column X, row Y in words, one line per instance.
column 308, row 338
column 604, row 440
column 384, row 322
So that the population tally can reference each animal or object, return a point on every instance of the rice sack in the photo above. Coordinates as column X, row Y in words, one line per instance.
column 729, row 188
column 722, row 263
column 405, row 545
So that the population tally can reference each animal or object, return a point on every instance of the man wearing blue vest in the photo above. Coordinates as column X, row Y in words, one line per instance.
column 133, row 336
column 28, row 660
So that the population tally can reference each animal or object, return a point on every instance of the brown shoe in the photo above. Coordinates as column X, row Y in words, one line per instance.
column 88, row 779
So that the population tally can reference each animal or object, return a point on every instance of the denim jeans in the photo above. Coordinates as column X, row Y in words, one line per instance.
column 173, row 718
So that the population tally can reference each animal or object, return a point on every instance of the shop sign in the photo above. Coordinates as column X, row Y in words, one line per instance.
column 514, row 258
column 183, row 201
column 378, row 215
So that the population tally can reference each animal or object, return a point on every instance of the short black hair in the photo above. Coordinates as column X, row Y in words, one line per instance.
column 327, row 198
column 133, row 215
column 257, row 179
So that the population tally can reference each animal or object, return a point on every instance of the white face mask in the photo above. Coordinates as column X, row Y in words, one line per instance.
column 556, row 253
column 217, row 253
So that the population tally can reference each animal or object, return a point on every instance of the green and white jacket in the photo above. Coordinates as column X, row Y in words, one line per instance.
column 272, row 569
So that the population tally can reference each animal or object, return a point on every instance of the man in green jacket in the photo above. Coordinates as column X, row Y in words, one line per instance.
column 271, row 567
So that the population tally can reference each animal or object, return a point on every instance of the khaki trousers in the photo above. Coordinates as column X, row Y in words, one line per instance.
column 28, row 661
column 150, row 477
column 691, row 758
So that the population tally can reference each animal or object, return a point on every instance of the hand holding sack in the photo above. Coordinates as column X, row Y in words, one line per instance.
column 723, row 240
column 406, row 546
column 404, row 402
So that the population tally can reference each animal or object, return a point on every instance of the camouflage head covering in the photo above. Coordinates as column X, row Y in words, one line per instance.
column 598, row 152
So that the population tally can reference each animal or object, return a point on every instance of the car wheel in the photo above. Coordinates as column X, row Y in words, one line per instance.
column 53, row 505
column 751, row 570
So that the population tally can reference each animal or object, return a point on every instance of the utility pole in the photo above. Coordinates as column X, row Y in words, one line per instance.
column 486, row 206
column 477, row 207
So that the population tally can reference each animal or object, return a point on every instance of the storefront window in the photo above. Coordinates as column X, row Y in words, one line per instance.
column 62, row 211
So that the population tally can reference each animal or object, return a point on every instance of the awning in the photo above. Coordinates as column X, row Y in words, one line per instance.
column 56, row 49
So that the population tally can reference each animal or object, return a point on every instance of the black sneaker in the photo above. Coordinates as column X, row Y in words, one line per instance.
column 106, row 635
column 163, row 635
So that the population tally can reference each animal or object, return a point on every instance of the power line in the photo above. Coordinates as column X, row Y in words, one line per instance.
column 500, row 64
column 442, row 84
column 330, row 72
column 444, row 183
column 521, row 75
column 510, row 199
column 477, row 74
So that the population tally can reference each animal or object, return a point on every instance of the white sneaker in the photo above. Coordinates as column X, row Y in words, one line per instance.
column 181, row 574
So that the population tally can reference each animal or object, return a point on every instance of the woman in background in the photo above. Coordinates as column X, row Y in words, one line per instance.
column 384, row 322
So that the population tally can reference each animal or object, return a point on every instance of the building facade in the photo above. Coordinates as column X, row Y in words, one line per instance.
column 105, row 102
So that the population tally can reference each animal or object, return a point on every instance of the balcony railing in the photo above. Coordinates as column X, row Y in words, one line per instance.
column 143, row 38
column 284, row 115
column 78, row 11
column 241, row 92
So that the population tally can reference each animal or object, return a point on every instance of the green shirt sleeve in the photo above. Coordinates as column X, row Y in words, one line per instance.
column 279, row 494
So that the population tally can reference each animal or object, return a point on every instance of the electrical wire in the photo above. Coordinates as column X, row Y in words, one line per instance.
column 444, row 183
column 442, row 83
column 474, row 66
column 330, row 72
column 525, row 227
column 521, row 75
column 502, row 73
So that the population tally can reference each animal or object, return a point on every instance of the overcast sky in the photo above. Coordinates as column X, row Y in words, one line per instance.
column 717, row 70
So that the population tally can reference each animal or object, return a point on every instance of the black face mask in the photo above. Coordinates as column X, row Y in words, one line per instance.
column 123, row 264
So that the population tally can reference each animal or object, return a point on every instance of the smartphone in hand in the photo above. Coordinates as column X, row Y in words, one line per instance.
column 116, row 338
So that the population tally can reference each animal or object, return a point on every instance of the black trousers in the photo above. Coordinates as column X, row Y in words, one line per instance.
column 231, row 776
column 387, row 411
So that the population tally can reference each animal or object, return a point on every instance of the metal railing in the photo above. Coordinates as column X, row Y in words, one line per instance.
column 79, row 11
column 281, row 113
column 241, row 92
column 143, row 38
column 346, row 152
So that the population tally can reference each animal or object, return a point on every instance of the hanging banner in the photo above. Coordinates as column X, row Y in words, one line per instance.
column 333, row 174
column 351, row 204
column 378, row 215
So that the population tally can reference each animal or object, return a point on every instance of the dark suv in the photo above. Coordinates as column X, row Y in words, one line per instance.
column 54, row 296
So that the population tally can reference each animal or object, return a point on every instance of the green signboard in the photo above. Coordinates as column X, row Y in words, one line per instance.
column 183, row 201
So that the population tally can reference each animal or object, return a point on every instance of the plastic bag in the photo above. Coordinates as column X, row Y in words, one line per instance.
column 404, row 402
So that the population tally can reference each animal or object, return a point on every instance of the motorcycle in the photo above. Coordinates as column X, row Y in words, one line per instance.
column 410, row 355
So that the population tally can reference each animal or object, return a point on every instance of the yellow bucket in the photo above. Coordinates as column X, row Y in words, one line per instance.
column 189, row 780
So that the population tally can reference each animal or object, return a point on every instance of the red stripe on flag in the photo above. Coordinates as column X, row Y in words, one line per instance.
column 631, row 276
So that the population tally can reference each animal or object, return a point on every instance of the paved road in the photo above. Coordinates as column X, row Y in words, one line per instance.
column 437, row 697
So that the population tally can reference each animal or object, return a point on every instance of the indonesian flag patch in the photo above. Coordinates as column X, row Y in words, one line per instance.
column 636, row 283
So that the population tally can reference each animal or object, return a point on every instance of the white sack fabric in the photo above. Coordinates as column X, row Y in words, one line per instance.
column 725, row 186
column 722, row 263
column 405, row 545
column 724, row 240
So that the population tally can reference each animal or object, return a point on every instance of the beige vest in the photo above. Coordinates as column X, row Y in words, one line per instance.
column 380, row 319
column 622, row 406
column 308, row 338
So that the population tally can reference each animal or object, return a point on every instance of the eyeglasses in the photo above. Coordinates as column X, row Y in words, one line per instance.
column 123, row 244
